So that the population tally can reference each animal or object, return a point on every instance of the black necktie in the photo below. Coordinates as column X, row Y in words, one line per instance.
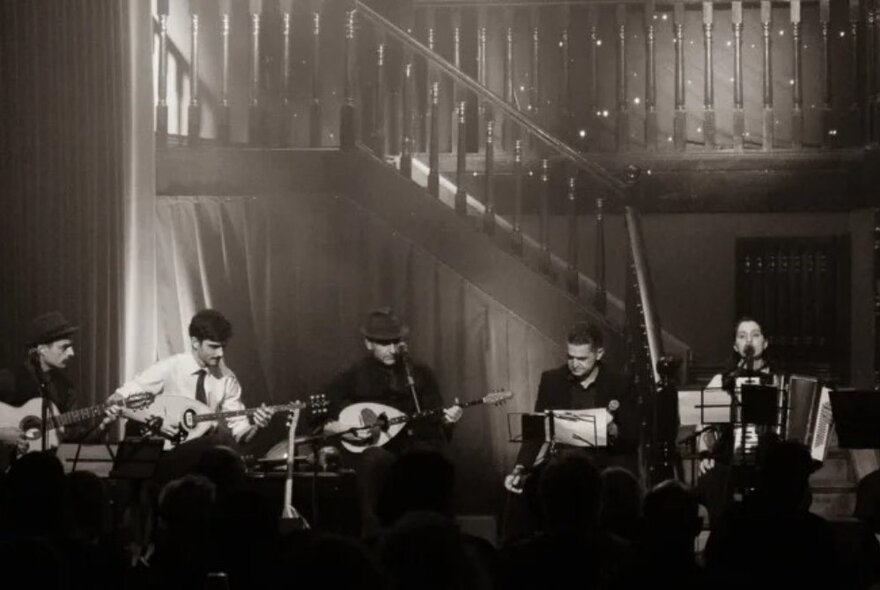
column 200, row 387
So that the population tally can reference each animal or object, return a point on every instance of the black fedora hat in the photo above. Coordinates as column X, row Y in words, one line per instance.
column 383, row 324
column 49, row 327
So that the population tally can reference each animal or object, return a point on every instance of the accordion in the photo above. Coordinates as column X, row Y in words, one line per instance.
column 809, row 417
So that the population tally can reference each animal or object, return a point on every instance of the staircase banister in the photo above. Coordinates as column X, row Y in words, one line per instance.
column 616, row 186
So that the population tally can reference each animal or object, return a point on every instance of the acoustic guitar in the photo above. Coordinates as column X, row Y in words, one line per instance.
column 194, row 418
column 28, row 417
column 385, row 422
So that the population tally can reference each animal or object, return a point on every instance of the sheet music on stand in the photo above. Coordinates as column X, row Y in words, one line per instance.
column 576, row 428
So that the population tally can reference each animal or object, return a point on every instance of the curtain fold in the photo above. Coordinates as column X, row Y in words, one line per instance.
column 61, row 179
column 296, row 275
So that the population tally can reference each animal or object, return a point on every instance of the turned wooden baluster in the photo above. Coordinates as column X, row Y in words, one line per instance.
column 286, row 115
column 739, row 118
column 407, row 114
column 224, row 115
column 874, row 48
column 535, row 56
column 456, row 60
column 679, row 124
column 593, row 72
column 825, row 112
column 516, row 236
column 601, row 298
column 424, row 116
column 876, row 285
column 650, row 77
column 162, row 103
column 434, row 147
column 489, row 178
column 379, row 102
column 622, row 134
column 797, row 99
column 194, row 112
column 566, row 118
column 768, row 121
column 315, row 106
column 544, row 234
column 484, row 111
column 870, row 71
column 461, row 160
column 855, row 65
column 508, row 130
column 571, row 272
column 347, row 126
column 708, row 79
column 255, row 127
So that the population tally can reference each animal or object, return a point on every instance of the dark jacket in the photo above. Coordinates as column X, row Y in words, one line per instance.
column 555, row 393
column 370, row 381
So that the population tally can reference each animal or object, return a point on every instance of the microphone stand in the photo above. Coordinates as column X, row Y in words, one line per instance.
column 43, row 384
column 410, row 380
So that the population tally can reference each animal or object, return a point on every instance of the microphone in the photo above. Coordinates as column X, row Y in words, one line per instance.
column 402, row 349
column 749, row 353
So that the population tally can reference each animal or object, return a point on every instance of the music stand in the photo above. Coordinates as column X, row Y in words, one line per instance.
column 136, row 458
column 759, row 405
column 856, row 417
column 580, row 428
column 97, row 458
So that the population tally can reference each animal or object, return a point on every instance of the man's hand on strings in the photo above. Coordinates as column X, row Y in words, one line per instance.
column 262, row 416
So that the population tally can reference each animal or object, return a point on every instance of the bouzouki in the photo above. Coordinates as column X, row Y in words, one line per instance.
column 27, row 417
column 195, row 418
column 385, row 422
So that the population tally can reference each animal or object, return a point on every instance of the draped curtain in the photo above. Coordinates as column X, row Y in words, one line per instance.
column 296, row 275
column 61, row 178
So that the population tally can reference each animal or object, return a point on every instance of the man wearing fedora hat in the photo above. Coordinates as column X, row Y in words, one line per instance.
column 49, row 348
column 387, row 376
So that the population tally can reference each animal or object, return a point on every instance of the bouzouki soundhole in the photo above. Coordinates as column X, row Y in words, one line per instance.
column 31, row 426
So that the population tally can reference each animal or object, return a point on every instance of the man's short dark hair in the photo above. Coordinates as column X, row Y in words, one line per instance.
column 586, row 333
column 210, row 324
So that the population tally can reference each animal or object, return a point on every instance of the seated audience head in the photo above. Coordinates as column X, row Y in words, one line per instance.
column 186, row 504
column 34, row 495
column 672, row 510
column 585, row 348
column 87, row 505
column 868, row 501
column 418, row 480
column 570, row 491
column 783, row 475
column 224, row 467
column 621, row 502
column 209, row 331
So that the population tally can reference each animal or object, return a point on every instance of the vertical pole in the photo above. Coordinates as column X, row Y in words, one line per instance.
column 223, row 123
column 601, row 299
column 797, row 107
column 194, row 112
column 285, row 126
column 679, row 124
column 347, row 124
column 507, row 131
column 517, row 238
column 255, row 126
column 434, row 147
column 650, row 78
column 622, row 106
column 461, row 161
column 739, row 118
column 315, row 107
column 825, row 113
column 573, row 244
column 162, row 104
column 708, row 79
column 545, row 216
column 566, row 119
column 768, row 123
column 489, row 189
column 379, row 104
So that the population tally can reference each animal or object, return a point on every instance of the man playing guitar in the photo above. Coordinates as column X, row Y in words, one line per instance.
column 50, row 347
column 200, row 374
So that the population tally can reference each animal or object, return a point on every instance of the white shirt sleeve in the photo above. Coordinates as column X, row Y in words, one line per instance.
column 150, row 380
column 239, row 425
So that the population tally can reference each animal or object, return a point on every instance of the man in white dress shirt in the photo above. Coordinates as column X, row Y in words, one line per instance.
column 200, row 374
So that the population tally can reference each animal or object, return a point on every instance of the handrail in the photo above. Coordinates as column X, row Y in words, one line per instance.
column 595, row 170
column 542, row 3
